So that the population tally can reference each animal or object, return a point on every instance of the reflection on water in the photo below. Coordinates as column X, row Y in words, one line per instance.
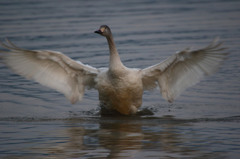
column 121, row 137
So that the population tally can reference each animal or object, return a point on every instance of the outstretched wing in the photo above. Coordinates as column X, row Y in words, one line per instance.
column 51, row 69
column 183, row 70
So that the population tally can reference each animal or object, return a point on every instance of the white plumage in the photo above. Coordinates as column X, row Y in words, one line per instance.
column 120, row 88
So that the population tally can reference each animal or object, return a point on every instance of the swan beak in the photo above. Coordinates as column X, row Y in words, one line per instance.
column 98, row 32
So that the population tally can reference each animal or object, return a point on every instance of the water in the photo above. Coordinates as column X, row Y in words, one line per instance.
column 37, row 122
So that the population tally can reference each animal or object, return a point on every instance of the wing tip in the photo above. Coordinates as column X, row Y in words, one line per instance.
column 7, row 44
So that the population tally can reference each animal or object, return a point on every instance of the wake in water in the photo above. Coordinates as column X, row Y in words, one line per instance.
column 141, row 112
column 102, row 111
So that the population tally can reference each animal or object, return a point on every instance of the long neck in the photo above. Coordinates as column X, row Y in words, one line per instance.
column 115, row 61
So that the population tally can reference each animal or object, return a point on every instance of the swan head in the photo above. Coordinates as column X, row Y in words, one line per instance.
column 104, row 30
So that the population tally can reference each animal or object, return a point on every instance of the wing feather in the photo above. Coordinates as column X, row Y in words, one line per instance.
column 50, row 68
column 183, row 70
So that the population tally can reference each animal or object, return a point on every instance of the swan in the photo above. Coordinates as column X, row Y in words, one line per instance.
column 120, row 88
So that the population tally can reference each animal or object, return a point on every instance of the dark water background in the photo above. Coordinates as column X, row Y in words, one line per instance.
column 204, row 122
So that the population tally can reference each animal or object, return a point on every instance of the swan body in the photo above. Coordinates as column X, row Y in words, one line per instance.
column 120, row 88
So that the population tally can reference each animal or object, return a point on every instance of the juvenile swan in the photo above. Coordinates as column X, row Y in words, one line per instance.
column 120, row 88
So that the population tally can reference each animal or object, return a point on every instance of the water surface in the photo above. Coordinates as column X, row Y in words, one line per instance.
column 37, row 122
